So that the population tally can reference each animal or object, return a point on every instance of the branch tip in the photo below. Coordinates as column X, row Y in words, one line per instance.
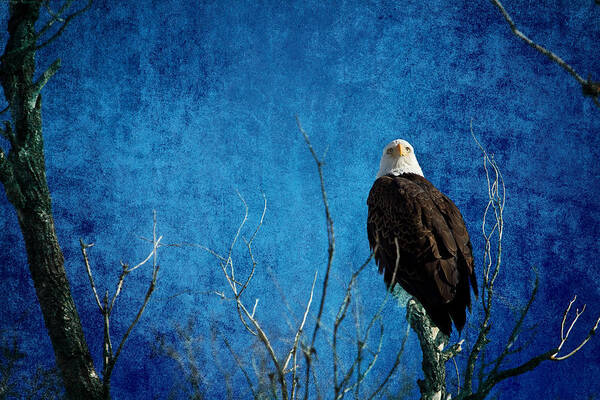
column 589, row 87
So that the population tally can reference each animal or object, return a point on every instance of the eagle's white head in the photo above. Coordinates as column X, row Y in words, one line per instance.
column 399, row 158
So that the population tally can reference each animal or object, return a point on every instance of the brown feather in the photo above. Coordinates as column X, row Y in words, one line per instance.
column 436, row 258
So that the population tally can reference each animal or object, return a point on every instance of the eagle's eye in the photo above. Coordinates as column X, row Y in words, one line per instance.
column 390, row 150
column 407, row 149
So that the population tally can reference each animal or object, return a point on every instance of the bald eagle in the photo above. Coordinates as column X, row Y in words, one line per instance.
column 419, row 238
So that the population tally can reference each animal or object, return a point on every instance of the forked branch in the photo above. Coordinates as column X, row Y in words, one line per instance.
column 105, row 306
column 492, row 255
column 565, row 336
column 248, row 317
column 330, row 252
column 329, row 223
column 58, row 17
column 489, row 377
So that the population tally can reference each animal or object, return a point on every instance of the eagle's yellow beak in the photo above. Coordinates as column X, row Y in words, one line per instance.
column 400, row 149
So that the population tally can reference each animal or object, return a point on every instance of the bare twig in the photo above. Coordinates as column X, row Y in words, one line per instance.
column 107, row 351
column 565, row 336
column 361, row 375
column 330, row 251
column 294, row 349
column 151, row 288
column 491, row 267
column 339, row 318
column 589, row 87
column 233, row 242
column 457, row 375
column 249, row 318
column 329, row 224
column 124, row 272
column 227, row 266
column 89, row 271
column 56, row 16
column 62, row 28
column 105, row 307
column 517, row 328
column 241, row 367
column 249, row 246
column 488, row 379
column 395, row 365
column 343, row 386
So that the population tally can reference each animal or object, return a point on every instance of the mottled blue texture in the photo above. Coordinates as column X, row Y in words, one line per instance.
column 174, row 105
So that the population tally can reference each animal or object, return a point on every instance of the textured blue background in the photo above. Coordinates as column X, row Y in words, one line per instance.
column 174, row 105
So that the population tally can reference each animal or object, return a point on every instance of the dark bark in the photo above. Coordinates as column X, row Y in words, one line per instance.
column 46, row 265
column 23, row 175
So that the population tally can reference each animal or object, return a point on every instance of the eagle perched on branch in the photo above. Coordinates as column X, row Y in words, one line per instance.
column 419, row 238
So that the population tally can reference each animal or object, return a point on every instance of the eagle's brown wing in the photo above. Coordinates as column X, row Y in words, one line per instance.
column 412, row 222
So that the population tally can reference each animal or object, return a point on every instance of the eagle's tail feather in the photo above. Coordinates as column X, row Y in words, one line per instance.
column 456, row 308
column 443, row 315
column 440, row 317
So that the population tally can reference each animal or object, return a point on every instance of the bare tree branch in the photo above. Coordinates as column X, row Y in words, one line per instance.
column 330, row 252
column 339, row 318
column 241, row 367
column 86, row 261
column 491, row 267
column 56, row 16
column 287, row 388
column 492, row 262
column 343, row 386
column 151, row 288
column 105, row 307
column 294, row 349
column 42, row 80
column 249, row 246
column 589, row 87
column 488, row 383
column 564, row 337
column 64, row 25
column 249, row 318
column 517, row 328
column 395, row 365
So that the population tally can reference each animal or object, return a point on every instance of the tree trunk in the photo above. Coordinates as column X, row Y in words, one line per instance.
column 432, row 341
column 23, row 175
column 46, row 265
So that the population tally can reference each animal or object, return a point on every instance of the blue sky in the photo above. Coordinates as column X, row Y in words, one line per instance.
column 173, row 106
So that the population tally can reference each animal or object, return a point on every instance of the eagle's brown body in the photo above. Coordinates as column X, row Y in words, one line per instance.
column 409, row 217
